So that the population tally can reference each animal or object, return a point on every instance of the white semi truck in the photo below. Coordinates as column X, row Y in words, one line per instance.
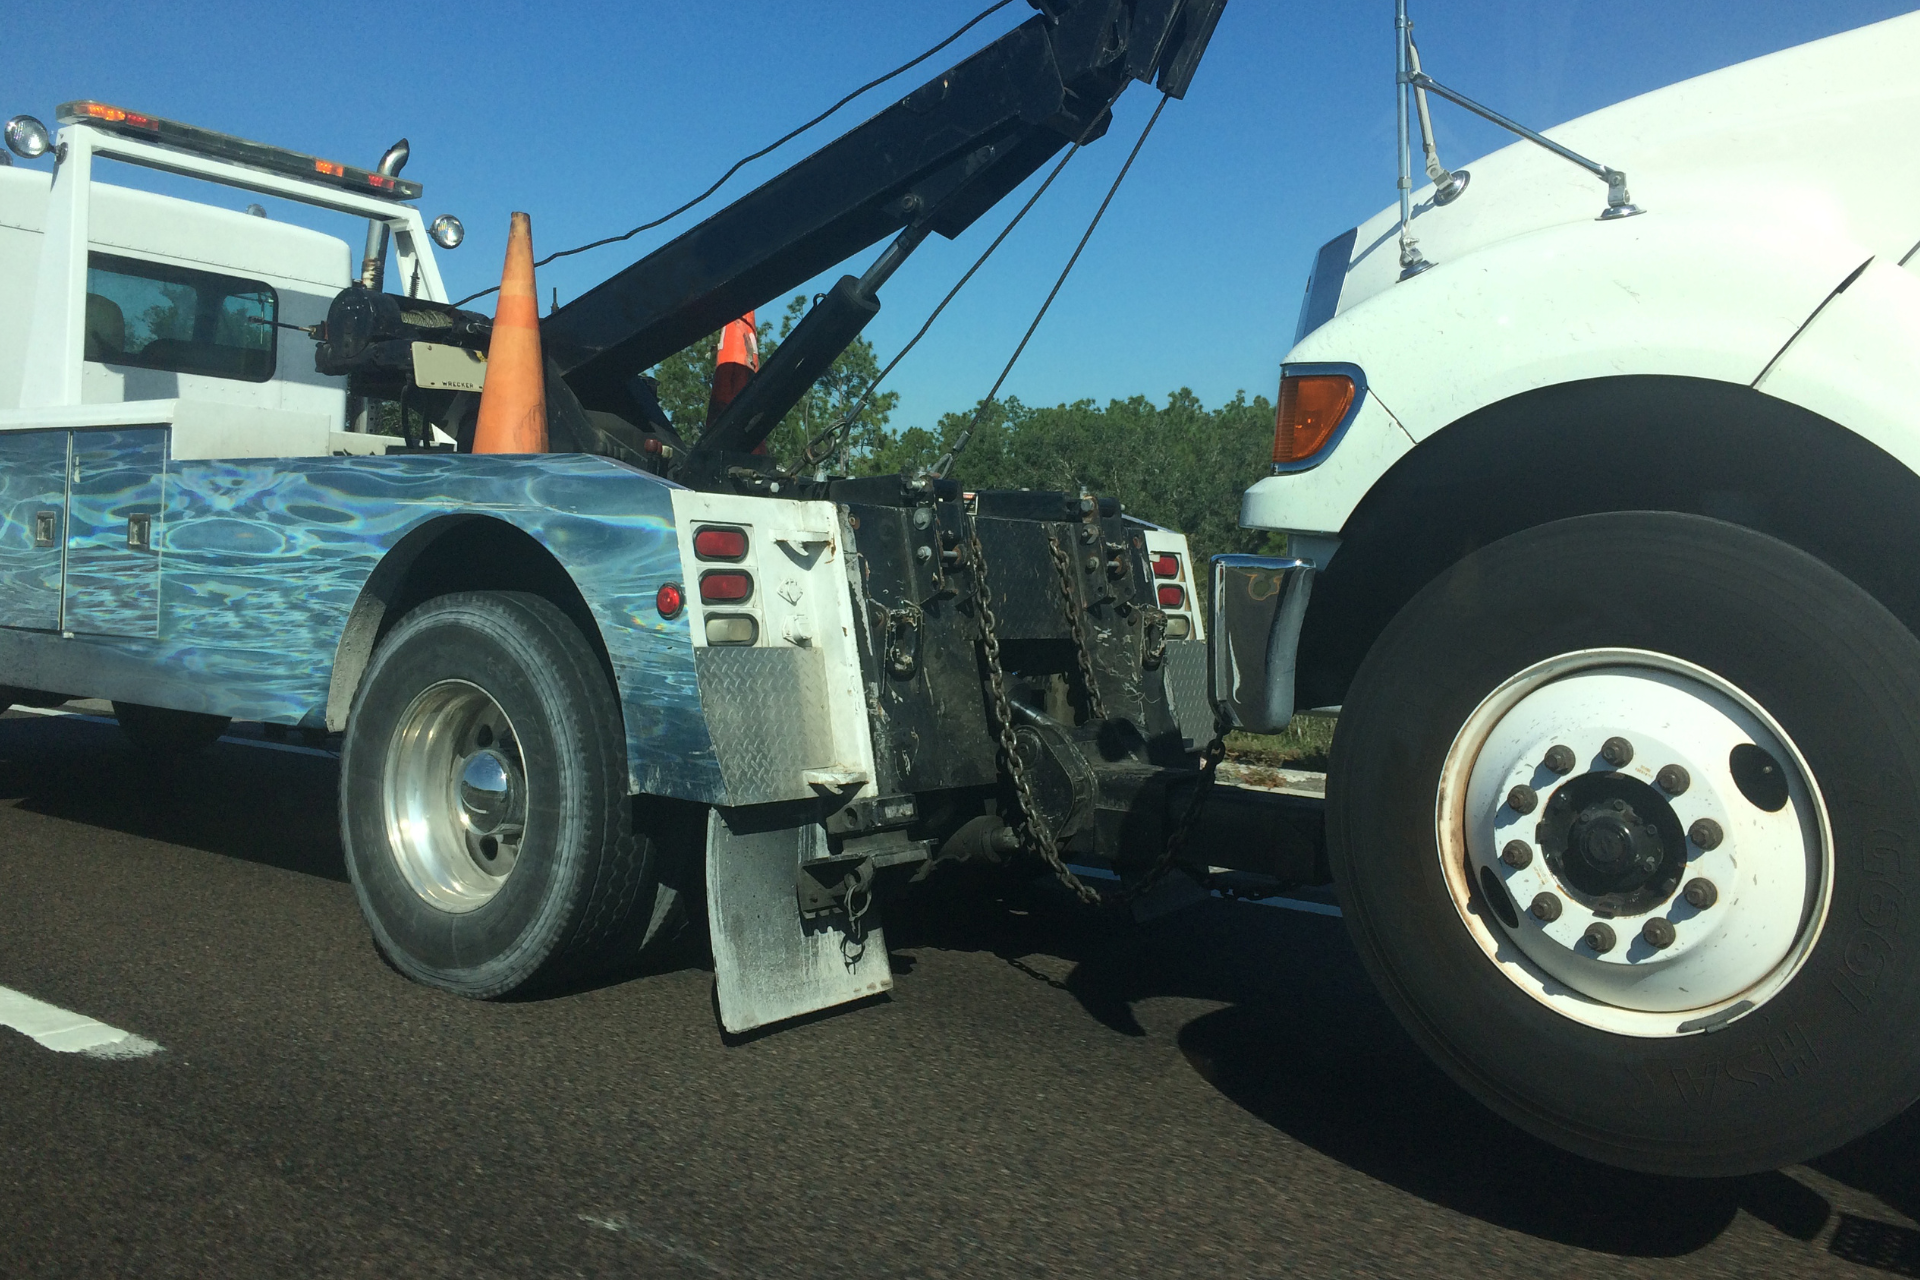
column 1600, row 464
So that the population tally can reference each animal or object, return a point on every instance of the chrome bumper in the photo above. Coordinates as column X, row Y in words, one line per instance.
column 1258, row 604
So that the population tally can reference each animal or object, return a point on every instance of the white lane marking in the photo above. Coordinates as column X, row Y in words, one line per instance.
column 63, row 1031
column 1296, row 904
column 231, row 739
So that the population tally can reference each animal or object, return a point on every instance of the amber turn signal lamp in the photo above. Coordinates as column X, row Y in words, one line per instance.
column 1312, row 405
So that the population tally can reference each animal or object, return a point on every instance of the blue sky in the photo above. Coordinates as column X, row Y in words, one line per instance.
column 595, row 117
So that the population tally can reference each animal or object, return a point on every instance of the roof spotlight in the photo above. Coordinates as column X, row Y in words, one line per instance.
column 28, row 138
column 447, row 231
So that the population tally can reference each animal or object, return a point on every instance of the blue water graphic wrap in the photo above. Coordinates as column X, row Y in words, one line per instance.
column 261, row 562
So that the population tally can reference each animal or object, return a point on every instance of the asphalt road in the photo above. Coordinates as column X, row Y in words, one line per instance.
column 1217, row 1094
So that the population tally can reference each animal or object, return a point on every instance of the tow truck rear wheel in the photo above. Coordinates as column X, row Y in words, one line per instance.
column 1622, row 812
column 483, row 801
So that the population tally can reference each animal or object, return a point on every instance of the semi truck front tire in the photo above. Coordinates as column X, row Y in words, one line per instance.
column 483, row 800
column 1622, row 812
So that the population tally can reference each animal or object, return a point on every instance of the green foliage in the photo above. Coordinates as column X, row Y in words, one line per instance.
column 686, row 380
column 1183, row 465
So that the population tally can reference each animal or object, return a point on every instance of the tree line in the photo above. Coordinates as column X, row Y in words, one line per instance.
column 1180, row 464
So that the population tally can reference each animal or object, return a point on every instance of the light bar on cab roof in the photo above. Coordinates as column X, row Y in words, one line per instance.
column 221, row 146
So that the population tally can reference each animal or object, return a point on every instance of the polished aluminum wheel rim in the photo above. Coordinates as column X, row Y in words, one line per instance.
column 454, row 796
column 1540, row 757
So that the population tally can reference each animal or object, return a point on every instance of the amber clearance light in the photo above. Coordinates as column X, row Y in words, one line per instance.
column 1312, row 405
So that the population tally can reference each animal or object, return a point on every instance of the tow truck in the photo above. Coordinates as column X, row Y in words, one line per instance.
column 578, row 690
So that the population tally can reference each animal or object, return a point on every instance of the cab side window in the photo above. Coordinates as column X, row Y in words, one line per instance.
column 155, row 316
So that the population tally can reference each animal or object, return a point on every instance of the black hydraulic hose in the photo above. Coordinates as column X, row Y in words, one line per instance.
column 746, row 160
column 960, row 444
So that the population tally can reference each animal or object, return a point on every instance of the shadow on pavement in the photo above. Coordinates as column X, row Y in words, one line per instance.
column 272, row 807
column 1305, row 1045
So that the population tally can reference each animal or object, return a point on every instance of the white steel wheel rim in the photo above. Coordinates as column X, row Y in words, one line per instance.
column 1772, row 869
column 454, row 796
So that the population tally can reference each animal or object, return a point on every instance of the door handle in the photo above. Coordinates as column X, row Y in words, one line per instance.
column 46, row 528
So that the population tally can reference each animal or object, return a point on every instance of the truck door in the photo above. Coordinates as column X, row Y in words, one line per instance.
column 33, row 519
column 113, row 532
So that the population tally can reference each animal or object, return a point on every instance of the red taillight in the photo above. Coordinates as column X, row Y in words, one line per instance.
column 720, row 544
column 1312, row 405
column 669, row 600
column 724, row 586
column 1171, row 597
column 1166, row 566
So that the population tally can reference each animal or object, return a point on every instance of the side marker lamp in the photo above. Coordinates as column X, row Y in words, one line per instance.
column 1312, row 407
column 669, row 600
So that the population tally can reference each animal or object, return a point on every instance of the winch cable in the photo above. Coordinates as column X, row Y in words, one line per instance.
column 847, row 419
column 746, row 160
column 939, row 468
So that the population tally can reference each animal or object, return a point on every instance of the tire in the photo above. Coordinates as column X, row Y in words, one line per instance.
column 1593, row 626
column 167, row 734
column 484, row 811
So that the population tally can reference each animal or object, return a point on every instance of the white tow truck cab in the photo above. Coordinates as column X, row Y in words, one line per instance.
column 1600, row 464
column 181, row 311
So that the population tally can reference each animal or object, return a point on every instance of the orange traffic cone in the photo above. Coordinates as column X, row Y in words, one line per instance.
column 513, row 402
column 737, row 360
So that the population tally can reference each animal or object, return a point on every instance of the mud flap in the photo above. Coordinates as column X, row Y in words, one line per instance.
column 769, row 964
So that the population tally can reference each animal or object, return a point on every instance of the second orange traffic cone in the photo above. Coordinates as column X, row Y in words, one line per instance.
column 736, row 361
column 513, row 401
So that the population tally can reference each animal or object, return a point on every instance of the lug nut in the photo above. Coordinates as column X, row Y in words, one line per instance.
column 1658, row 933
column 1700, row 893
column 1522, row 799
column 1517, row 854
column 1559, row 759
column 1600, row 937
column 1545, row 908
column 1672, row 779
column 1706, row 833
column 1617, row 752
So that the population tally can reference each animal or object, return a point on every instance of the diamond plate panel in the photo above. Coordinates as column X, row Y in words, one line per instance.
column 766, row 711
column 1186, row 672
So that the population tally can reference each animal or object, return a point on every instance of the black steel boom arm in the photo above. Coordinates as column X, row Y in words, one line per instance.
column 933, row 161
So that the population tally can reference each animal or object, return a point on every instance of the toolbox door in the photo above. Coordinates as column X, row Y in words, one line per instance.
column 113, row 532
column 33, row 519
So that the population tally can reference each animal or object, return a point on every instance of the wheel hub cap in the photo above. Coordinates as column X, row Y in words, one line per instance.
column 1597, row 925
column 455, row 796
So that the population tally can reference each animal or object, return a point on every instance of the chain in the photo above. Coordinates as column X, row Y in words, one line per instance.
column 1210, row 757
column 1039, row 833
column 1063, row 563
